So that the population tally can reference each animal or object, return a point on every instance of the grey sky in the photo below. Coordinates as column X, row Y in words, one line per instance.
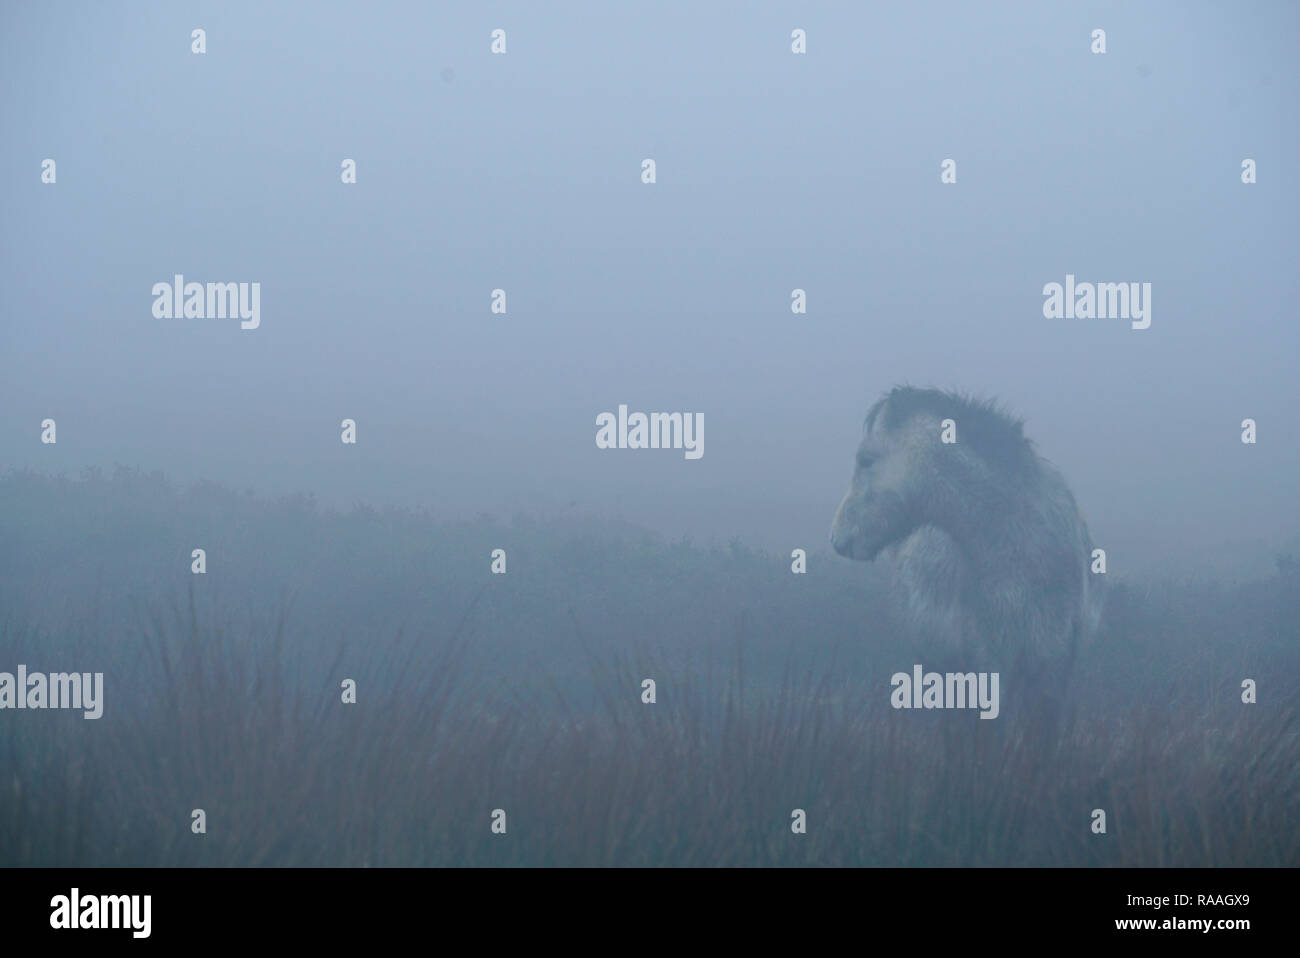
column 775, row 171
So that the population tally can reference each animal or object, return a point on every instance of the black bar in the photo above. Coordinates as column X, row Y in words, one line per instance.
column 923, row 907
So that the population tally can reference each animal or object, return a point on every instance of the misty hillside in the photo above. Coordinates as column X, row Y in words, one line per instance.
column 522, row 691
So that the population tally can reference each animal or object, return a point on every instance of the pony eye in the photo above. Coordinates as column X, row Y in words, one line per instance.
column 865, row 460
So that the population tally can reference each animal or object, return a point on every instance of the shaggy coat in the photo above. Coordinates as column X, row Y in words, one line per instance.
column 991, row 553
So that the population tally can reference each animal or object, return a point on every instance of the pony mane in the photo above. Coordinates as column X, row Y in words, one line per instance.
column 992, row 433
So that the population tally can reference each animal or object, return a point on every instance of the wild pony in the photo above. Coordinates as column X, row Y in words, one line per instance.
column 992, row 556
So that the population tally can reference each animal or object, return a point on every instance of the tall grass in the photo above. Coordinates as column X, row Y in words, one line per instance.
column 523, row 693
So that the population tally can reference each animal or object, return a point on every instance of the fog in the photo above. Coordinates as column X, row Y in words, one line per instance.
column 774, row 172
column 470, row 262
